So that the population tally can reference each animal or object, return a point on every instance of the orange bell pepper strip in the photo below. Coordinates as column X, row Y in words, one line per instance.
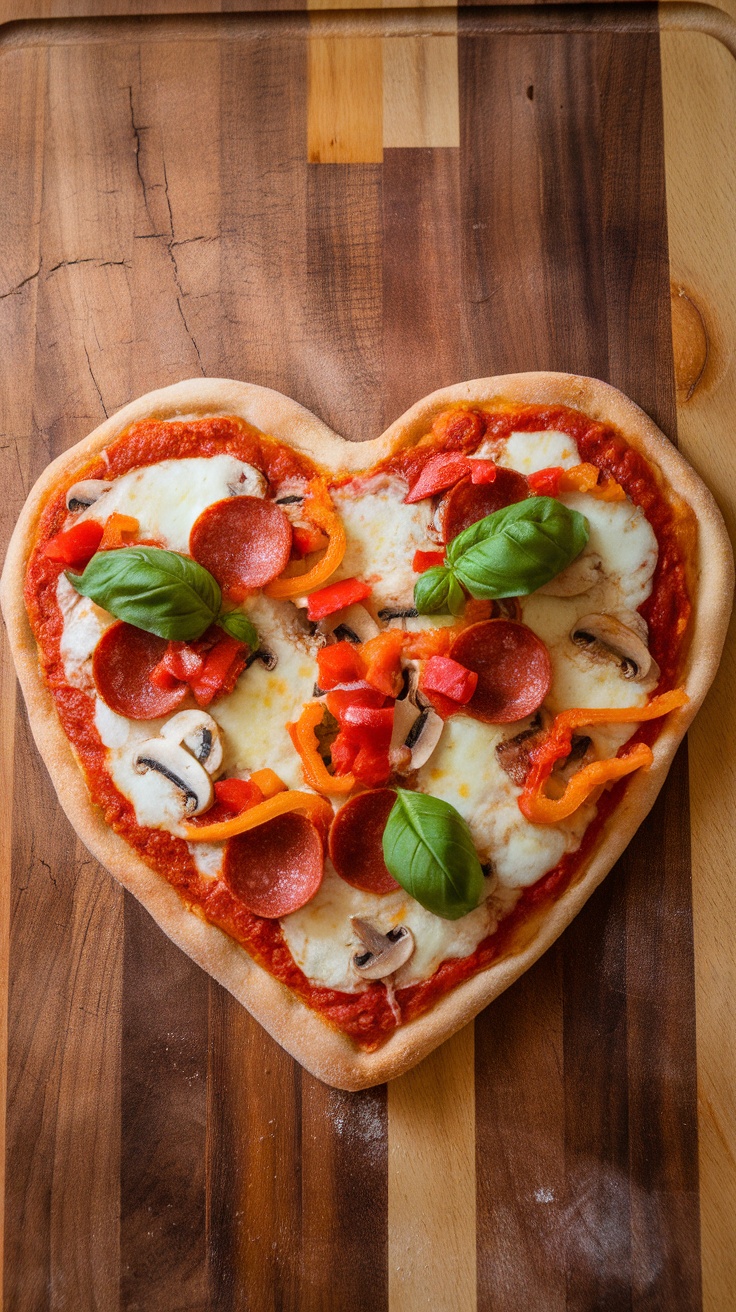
column 609, row 490
column 585, row 478
column 580, row 478
column 268, row 782
column 303, row 736
column 543, row 810
column 318, row 810
column 318, row 508
column 117, row 528
column 382, row 660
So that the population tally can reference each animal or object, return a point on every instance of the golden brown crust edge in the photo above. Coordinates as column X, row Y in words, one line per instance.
column 325, row 1052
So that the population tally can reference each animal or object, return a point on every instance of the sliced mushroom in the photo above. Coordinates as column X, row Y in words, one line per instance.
column 406, row 713
column 579, row 577
column 580, row 754
column 85, row 493
column 606, row 635
column 353, row 623
column 417, row 727
column 425, row 734
column 185, row 774
column 398, row 613
column 291, row 492
column 267, row 658
column 384, row 953
column 513, row 754
column 197, row 731
column 247, row 482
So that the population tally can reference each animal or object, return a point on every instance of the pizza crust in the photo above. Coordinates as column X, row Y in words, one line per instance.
column 324, row 1051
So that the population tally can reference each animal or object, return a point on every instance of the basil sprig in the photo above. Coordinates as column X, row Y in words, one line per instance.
column 428, row 849
column 162, row 592
column 437, row 589
column 510, row 553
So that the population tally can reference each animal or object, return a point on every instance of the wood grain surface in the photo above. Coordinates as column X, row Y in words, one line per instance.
column 357, row 227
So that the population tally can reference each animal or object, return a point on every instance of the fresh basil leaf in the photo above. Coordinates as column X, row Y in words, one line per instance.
column 428, row 849
column 432, row 590
column 455, row 597
column 517, row 549
column 156, row 590
column 239, row 626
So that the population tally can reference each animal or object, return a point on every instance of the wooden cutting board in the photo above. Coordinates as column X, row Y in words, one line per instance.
column 357, row 217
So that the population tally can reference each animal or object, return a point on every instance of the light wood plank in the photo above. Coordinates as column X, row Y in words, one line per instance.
column 345, row 95
column 420, row 88
column 431, row 1182
column 699, row 86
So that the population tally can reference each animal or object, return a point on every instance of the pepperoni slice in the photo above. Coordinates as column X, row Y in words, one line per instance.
column 513, row 667
column 122, row 663
column 275, row 868
column 244, row 541
column 356, row 841
column 467, row 502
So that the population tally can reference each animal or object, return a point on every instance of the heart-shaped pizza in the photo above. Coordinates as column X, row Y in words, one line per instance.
column 364, row 724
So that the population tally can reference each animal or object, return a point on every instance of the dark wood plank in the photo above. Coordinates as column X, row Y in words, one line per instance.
column 343, row 360
column 567, row 269
column 423, row 347
column 344, row 1199
column 163, row 1120
column 263, row 221
column 520, row 1144
column 254, row 1164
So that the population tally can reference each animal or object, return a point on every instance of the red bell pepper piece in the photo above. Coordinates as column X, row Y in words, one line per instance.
column 546, row 482
column 371, row 765
column 426, row 559
column 441, row 471
column 343, row 753
column 336, row 596
column 368, row 725
column 76, row 545
column 181, row 661
column 340, row 699
column 443, row 675
column 222, row 666
column 161, row 677
column 339, row 663
column 306, row 540
column 236, row 795
column 366, row 762
column 482, row 471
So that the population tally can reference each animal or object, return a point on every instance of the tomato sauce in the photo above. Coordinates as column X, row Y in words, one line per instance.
column 366, row 1017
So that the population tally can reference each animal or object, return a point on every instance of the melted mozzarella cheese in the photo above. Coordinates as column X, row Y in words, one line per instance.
column 323, row 942
column 529, row 452
column 84, row 625
column 464, row 771
column 383, row 533
column 114, row 729
column 624, row 539
column 167, row 498
column 254, row 716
